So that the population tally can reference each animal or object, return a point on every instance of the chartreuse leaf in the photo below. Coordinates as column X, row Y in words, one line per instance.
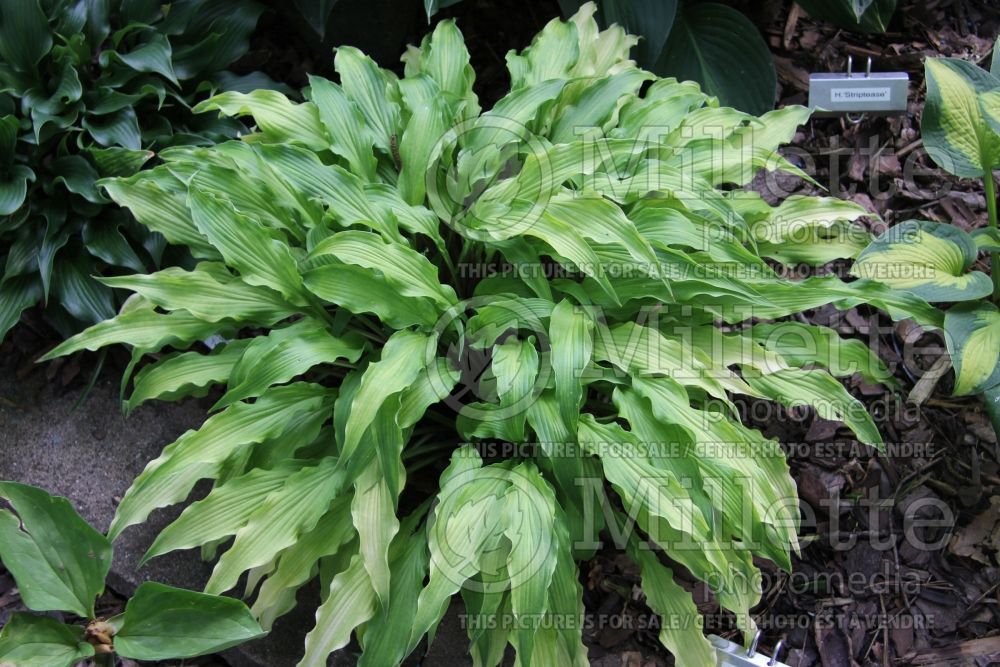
column 261, row 260
column 202, row 453
column 796, row 387
column 802, row 344
column 277, row 118
column 955, row 133
column 161, row 622
column 350, row 601
column 284, row 354
column 405, row 354
column 222, row 513
column 345, row 126
column 58, row 561
column 674, row 605
column 142, row 328
column 972, row 332
column 209, row 292
column 40, row 641
column 403, row 268
column 571, row 338
column 277, row 522
column 929, row 259
column 373, row 90
column 296, row 564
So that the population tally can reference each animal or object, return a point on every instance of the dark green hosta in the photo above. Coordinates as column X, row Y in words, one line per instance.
column 89, row 89
column 59, row 563
column 361, row 341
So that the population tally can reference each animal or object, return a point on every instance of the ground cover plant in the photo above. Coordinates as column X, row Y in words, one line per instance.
column 60, row 562
column 92, row 89
column 551, row 300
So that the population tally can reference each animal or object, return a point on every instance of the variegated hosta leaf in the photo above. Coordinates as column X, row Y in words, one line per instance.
column 929, row 259
column 972, row 332
column 955, row 133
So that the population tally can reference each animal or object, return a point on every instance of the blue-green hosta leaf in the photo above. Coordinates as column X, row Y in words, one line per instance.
column 956, row 135
column 40, row 641
column 278, row 521
column 10, row 127
column 674, row 605
column 153, row 55
column 972, row 332
column 350, row 601
column 202, row 453
column 277, row 118
column 374, row 91
column 14, row 187
column 349, row 136
column 797, row 387
column 105, row 241
column 720, row 48
column 929, row 259
column 409, row 272
column 80, row 295
column 120, row 128
column 801, row 344
column 209, row 292
column 161, row 622
column 15, row 296
column 261, row 259
column 58, row 561
column 144, row 329
column 297, row 564
column 24, row 34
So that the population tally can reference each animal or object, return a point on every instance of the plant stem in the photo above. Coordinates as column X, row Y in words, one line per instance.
column 991, row 208
column 104, row 660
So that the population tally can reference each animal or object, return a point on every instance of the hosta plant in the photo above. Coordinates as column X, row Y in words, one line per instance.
column 91, row 89
column 59, row 563
column 452, row 350
column 961, row 131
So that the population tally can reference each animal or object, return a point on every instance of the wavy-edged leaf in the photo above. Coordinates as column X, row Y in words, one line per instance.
column 277, row 522
column 201, row 454
column 350, row 601
column 277, row 117
column 344, row 125
column 929, row 259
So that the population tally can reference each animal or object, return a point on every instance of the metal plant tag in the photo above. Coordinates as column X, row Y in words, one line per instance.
column 854, row 93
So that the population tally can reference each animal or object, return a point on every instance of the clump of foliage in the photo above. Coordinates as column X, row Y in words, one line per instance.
column 362, row 341
column 961, row 131
column 91, row 89
column 59, row 563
